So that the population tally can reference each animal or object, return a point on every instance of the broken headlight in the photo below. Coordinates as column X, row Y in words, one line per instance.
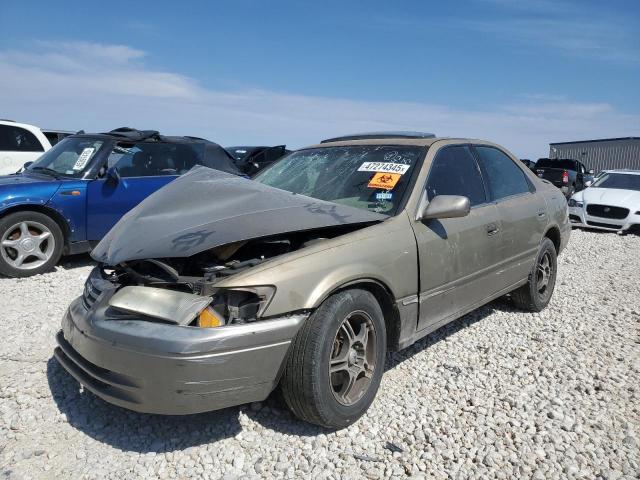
column 236, row 305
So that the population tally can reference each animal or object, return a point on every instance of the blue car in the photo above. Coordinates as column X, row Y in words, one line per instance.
column 69, row 198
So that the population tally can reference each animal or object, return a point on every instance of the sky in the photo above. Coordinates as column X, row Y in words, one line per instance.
column 242, row 72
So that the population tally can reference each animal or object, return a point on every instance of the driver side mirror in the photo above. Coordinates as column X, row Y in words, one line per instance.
column 27, row 165
column 443, row 206
column 112, row 176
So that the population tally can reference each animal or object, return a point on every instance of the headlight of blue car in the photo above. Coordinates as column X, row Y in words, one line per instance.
column 574, row 203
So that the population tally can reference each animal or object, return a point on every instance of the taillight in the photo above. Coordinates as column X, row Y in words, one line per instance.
column 565, row 177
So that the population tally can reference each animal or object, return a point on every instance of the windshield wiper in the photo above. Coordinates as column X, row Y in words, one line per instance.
column 46, row 171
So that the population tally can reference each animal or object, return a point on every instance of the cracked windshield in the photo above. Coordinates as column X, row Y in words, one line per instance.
column 370, row 177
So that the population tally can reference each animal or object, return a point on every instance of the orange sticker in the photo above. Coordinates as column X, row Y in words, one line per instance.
column 384, row 180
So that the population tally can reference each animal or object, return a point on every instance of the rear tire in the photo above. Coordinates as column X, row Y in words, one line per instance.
column 336, row 361
column 30, row 243
column 535, row 295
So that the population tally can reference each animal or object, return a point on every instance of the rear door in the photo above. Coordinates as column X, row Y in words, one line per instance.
column 143, row 168
column 457, row 255
column 522, row 212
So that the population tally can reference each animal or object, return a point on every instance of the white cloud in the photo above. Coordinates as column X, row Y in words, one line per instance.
column 99, row 87
column 596, row 32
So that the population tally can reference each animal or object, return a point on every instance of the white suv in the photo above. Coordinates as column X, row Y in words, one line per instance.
column 21, row 143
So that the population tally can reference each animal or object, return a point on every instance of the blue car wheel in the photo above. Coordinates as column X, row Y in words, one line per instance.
column 30, row 243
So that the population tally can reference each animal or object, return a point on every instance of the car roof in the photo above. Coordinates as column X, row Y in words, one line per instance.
column 418, row 142
column 622, row 170
column 53, row 130
column 5, row 121
column 27, row 126
column 127, row 134
column 381, row 135
column 215, row 156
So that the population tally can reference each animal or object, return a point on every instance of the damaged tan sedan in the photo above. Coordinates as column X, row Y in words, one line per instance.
column 217, row 289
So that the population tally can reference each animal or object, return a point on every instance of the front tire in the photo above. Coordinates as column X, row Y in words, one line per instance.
column 30, row 243
column 336, row 360
column 535, row 295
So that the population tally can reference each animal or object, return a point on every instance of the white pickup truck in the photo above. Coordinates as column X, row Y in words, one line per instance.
column 21, row 143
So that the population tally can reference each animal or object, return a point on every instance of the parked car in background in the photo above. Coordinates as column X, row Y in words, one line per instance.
column 570, row 176
column 54, row 136
column 611, row 203
column 68, row 199
column 209, row 297
column 253, row 159
column 529, row 163
column 21, row 143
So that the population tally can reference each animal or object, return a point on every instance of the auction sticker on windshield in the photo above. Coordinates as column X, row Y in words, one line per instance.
column 386, row 167
column 384, row 180
column 83, row 158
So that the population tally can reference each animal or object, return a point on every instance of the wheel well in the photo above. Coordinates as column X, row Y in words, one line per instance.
column 553, row 234
column 389, row 310
column 55, row 216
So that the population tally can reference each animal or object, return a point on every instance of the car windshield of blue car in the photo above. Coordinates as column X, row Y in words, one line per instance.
column 69, row 157
column 622, row 181
column 371, row 177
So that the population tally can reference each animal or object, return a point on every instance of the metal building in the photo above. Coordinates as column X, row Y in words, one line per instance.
column 605, row 154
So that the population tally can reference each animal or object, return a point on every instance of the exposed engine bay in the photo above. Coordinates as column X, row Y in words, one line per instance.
column 199, row 273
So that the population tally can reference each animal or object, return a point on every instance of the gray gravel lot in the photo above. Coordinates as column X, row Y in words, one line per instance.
column 496, row 394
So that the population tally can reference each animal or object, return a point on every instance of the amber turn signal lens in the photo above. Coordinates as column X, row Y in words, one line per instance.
column 209, row 318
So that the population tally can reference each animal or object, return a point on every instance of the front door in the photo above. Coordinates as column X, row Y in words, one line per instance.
column 457, row 255
column 108, row 202
column 143, row 169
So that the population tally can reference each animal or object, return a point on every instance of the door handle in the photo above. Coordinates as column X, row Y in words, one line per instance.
column 492, row 229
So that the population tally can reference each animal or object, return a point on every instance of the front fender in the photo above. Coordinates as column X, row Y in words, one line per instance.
column 18, row 195
column 385, row 253
column 52, row 198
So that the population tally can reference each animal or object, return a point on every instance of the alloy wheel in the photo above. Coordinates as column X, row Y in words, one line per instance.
column 353, row 358
column 27, row 245
column 544, row 274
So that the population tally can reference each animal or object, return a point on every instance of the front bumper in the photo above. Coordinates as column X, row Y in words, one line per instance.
column 167, row 369
column 578, row 217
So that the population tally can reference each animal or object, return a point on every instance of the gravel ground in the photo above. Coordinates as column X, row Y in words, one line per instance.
column 496, row 394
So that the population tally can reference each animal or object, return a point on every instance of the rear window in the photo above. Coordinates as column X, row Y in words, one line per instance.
column 550, row 163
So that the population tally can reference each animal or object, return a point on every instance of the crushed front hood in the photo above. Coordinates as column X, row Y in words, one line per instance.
column 206, row 208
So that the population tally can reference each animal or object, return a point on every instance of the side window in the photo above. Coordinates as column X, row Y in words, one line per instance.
column 504, row 177
column 454, row 171
column 16, row 139
column 152, row 159
column 130, row 160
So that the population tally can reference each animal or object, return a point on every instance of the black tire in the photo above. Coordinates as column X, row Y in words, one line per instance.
column 52, row 246
column 530, row 297
column 307, row 386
